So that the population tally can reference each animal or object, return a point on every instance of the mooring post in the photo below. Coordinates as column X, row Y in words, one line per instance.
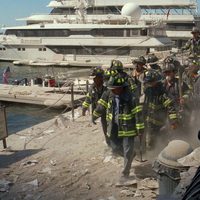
column 72, row 100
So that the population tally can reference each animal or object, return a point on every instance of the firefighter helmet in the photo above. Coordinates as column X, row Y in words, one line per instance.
column 116, row 65
column 140, row 60
column 117, row 81
column 152, row 76
column 173, row 60
column 97, row 71
column 152, row 58
column 169, row 67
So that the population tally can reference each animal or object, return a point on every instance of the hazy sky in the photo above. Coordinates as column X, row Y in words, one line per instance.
column 12, row 9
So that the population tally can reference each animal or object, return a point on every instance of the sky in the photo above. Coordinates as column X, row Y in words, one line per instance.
column 13, row 9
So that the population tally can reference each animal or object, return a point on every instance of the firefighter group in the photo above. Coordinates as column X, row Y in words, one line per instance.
column 151, row 98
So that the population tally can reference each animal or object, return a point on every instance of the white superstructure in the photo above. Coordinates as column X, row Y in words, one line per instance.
column 76, row 38
column 180, row 15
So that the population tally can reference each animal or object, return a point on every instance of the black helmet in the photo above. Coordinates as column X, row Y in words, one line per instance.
column 151, row 76
column 117, row 81
column 116, row 65
column 169, row 67
column 97, row 71
column 151, row 59
column 141, row 60
column 173, row 60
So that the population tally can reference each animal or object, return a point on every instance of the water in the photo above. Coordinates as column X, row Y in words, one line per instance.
column 21, row 116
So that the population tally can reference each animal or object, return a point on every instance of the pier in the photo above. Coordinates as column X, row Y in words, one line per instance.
column 47, row 96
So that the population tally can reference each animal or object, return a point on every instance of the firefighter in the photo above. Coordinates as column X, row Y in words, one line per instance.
column 95, row 92
column 189, row 75
column 171, row 85
column 178, row 91
column 152, row 62
column 193, row 44
column 124, row 120
column 138, row 75
column 156, row 107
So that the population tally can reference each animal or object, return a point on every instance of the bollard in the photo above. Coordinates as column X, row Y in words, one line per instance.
column 168, row 169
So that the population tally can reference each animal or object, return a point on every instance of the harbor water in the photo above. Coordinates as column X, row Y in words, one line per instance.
column 21, row 116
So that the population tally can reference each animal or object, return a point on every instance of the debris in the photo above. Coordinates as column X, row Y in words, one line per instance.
column 127, row 192
column 130, row 181
column 53, row 162
column 107, row 159
column 33, row 183
column 13, row 178
column 192, row 160
column 138, row 193
column 48, row 131
column 45, row 170
column 5, row 185
column 148, row 183
column 111, row 198
column 29, row 163
column 88, row 186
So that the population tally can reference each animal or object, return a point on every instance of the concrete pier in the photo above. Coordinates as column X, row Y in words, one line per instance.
column 48, row 96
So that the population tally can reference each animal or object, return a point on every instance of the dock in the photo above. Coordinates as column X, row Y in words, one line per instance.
column 46, row 96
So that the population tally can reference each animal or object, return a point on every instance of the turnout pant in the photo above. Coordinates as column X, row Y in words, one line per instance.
column 123, row 146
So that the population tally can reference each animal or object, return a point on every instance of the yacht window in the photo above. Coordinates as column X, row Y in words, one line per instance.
column 133, row 32
column 4, row 49
column 23, row 49
column 98, row 50
column 79, row 33
column 1, row 49
column 19, row 49
column 44, row 49
column 108, row 32
column 157, row 32
column 40, row 49
column 82, row 51
column 143, row 32
column 104, row 10
column 117, row 51
column 39, row 33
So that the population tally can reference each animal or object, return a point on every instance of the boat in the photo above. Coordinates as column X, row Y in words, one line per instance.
column 180, row 15
column 81, row 40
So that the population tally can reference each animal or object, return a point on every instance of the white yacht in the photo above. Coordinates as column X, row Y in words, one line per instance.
column 180, row 15
column 76, row 38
